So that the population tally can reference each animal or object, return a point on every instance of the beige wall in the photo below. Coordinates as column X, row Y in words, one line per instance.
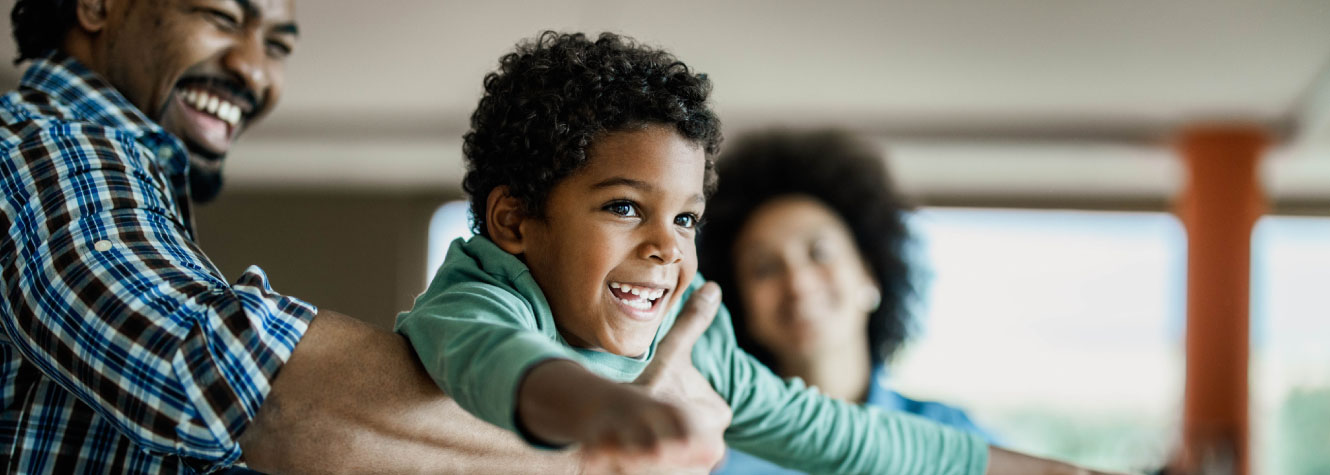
column 361, row 253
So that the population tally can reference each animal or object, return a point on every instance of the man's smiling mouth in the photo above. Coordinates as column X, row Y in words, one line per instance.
column 209, row 112
column 217, row 106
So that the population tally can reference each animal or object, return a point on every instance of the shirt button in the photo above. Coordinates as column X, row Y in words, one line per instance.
column 102, row 246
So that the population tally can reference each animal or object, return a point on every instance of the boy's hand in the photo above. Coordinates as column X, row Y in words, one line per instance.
column 688, row 417
column 632, row 431
column 671, row 376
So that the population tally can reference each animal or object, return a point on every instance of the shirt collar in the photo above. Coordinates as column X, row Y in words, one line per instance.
column 90, row 98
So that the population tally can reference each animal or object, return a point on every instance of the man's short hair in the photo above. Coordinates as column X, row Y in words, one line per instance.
column 40, row 26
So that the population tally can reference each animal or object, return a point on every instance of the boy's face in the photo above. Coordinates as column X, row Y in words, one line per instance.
column 615, row 248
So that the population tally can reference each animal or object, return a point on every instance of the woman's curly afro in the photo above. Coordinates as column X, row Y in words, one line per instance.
column 831, row 166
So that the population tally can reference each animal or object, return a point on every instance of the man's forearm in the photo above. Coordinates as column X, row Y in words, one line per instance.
column 354, row 399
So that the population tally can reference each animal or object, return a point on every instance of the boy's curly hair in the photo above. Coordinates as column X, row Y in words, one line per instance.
column 556, row 94
column 843, row 172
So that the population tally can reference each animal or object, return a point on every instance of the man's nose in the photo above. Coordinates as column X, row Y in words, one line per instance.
column 248, row 62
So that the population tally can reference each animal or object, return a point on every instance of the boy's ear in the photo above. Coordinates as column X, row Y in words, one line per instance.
column 503, row 220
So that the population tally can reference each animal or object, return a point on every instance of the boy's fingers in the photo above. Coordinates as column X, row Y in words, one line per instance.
column 696, row 316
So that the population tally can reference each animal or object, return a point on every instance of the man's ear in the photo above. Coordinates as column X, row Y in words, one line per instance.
column 92, row 14
column 503, row 220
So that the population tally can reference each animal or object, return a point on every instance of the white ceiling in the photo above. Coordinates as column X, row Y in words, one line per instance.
column 1022, row 97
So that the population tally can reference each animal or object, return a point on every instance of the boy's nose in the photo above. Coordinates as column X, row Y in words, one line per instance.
column 668, row 253
column 663, row 247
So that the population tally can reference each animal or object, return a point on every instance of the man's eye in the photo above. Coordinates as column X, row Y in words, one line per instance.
column 223, row 19
column 622, row 209
column 278, row 49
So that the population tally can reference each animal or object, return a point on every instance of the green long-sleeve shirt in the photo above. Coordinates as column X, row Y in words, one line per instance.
column 483, row 322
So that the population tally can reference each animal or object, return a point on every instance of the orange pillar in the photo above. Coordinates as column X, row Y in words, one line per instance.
column 1219, row 206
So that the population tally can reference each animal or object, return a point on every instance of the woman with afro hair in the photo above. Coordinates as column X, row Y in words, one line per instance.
column 807, row 236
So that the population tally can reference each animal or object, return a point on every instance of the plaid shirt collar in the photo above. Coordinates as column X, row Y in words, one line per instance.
column 90, row 98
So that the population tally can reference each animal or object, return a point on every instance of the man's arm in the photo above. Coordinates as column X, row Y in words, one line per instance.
column 107, row 278
column 354, row 399
column 109, row 298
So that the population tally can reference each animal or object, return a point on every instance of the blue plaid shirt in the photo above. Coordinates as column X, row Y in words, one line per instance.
column 123, row 348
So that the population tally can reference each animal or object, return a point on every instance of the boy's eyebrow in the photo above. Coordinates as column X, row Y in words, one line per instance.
column 638, row 184
column 624, row 181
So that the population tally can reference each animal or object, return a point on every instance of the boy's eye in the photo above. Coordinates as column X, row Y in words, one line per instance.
column 622, row 208
column 687, row 220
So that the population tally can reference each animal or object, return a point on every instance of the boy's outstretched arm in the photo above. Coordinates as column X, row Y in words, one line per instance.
column 670, row 416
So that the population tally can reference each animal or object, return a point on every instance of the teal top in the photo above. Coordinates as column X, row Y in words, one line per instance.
column 483, row 322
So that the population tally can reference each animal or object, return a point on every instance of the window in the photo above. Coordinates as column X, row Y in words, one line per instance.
column 450, row 221
column 1290, row 353
column 1058, row 331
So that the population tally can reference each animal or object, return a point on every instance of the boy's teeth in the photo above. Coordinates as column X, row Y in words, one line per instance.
column 644, row 292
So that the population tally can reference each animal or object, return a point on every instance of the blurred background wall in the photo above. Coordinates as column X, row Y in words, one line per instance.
column 1016, row 123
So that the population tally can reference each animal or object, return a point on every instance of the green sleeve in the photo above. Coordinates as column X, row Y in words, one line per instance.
column 477, row 341
column 795, row 426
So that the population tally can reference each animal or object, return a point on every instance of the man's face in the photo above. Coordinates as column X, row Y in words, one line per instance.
column 203, row 69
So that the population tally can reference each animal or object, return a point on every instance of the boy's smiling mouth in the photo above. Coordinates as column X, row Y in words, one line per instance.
column 639, row 300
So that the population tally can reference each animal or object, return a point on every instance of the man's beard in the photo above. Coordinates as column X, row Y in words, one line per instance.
column 205, row 182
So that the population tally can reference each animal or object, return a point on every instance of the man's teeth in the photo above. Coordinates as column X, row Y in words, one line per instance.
column 207, row 103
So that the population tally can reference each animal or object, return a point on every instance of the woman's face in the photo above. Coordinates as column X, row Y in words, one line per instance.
column 804, row 286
